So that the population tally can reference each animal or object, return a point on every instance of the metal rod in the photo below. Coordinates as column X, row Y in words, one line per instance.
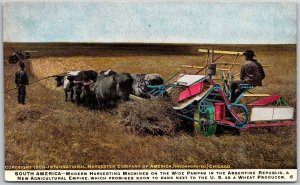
column 215, row 101
column 216, row 94
column 275, row 124
column 186, row 117
column 206, row 62
column 172, row 77
column 218, row 58
column 234, row 61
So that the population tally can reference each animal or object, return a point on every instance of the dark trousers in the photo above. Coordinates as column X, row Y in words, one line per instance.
column 234, row 89
column 21, row 93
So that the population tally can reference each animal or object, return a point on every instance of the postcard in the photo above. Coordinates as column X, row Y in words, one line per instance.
column 115, row 91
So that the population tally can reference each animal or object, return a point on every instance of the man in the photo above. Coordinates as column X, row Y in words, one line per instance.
column 21, row 81
column 251, row 73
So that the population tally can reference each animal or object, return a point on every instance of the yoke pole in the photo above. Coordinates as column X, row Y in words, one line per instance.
column 36, row 81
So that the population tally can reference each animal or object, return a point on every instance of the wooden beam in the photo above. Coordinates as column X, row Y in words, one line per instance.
column 220, row 52
column 133, row 97
column 200, row 67
column 195, row 67
column 212, row 56
column 227, row 63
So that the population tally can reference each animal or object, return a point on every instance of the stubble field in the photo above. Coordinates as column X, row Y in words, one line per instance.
column 49, row 131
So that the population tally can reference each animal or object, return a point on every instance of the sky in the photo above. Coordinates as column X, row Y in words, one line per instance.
column 150, row 22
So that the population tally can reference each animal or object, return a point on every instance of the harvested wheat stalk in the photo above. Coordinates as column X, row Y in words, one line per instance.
column 153, row 116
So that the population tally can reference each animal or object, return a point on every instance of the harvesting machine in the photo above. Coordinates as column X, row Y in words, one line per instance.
column 207, row 103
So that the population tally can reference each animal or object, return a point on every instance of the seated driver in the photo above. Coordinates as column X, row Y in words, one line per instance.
column 251, row 73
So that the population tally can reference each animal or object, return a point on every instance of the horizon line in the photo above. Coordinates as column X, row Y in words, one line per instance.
column 162, row 43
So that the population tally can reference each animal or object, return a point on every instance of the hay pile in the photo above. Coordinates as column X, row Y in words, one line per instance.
column 149, row 117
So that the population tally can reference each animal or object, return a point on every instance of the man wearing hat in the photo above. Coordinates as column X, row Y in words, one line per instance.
column 21, row 81
column 251, row 73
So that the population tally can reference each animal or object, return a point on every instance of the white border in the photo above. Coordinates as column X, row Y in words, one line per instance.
column 2, row 78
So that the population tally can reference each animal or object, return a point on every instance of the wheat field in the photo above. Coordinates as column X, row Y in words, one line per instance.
column 49, row 131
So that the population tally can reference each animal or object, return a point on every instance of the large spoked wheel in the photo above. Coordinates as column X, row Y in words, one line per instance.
column 204, row 121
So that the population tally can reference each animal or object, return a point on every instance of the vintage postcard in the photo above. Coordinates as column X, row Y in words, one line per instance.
column 150, row 91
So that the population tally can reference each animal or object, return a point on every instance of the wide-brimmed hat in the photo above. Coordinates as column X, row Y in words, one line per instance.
column 22, row 65
column 249, row 53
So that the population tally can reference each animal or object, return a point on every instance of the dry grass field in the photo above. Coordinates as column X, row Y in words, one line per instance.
column 49, row 131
